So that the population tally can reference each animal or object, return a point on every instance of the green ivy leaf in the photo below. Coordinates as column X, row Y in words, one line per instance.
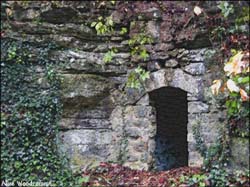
column 93, row 24
column 144, row 55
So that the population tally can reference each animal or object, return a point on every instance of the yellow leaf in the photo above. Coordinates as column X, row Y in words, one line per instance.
column 197, row 10
column 235, row 65
column 8, row 11
column 232, row 86
column 244, row 95
column 228, row 68
column 216, row 86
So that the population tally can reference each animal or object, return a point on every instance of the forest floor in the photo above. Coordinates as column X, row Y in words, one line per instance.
column 114, row 175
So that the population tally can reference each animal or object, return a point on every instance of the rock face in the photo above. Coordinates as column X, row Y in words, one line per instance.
column 102, row 120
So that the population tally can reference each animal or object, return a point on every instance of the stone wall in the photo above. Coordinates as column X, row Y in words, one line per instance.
column 102, row 119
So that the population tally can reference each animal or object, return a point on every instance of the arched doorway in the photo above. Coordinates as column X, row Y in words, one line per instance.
column 171, row 148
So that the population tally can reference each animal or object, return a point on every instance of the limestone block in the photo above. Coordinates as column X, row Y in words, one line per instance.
column 86, row 113
column 163, row 47
column 26, row 14
column 159, row 56
column 59, row 15
column 195, row 69
column 133, row 132
column 158, row 79
column 116, row 119
column 153, row 29
column 210, row 125
column 86, row 137
column 153, row 66
column 84, row 85
column 151, row 146
column 144, row 101
column 138, row 145
column 71, row 123
column 143, row 111
column 171, row 63
column 91, row 62
column 188, row 83
column 197, row 107
column 132, row 95
column 195, row 159
column 195, row 55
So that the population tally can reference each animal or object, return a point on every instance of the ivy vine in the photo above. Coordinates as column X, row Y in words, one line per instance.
column 29, row 118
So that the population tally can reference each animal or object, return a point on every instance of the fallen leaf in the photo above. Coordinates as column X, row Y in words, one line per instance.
column 235, row 65
column 244, row 95
column 216, row 86
column 232, row 86
column 8, row 11
column 197, row 10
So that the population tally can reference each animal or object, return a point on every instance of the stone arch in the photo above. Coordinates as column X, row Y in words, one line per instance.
column 176, row 78
column 193, row 87
column 137, row 124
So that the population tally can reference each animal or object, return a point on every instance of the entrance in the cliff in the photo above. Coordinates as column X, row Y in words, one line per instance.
column 171, row 150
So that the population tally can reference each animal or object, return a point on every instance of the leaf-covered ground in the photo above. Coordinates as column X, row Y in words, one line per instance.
column 110, row 175
column 114, row 175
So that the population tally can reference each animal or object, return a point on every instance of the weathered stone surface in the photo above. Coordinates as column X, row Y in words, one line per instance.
column 159, row 56
column 153, row 66
column 195, row 159
column 195, row 55
column 92, row 62
column 86, row 113
column 240, row 153
column 86, row 137
column 84, row 85
column 59, row 15
column 116, row 119
column 197, row 107
column 163, row 47
column 188, row 83
column 144, row 101
column 190, row 97
column 165, row 26
column 153, row 29
column 26, row 14
column 210, row 125
column 150, row 14
column 143, row 112
column 74, row 123
column 171, row 63
column 133, row 132
column 173, row 53
column 195, row 69
column 159, row 79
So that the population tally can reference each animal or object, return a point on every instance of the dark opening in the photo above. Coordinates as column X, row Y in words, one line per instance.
column 171, row 138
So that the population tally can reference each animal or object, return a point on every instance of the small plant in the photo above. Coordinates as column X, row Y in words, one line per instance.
column 137, row 77
column 236, row 87
column 109, row 55
column 226, row 8
column 218, row 177
column 198, row 179
column 103, row 26
column 123, row 31
column 136, row 44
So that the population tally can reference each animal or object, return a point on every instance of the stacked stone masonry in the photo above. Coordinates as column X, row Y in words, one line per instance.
column 102, row 119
